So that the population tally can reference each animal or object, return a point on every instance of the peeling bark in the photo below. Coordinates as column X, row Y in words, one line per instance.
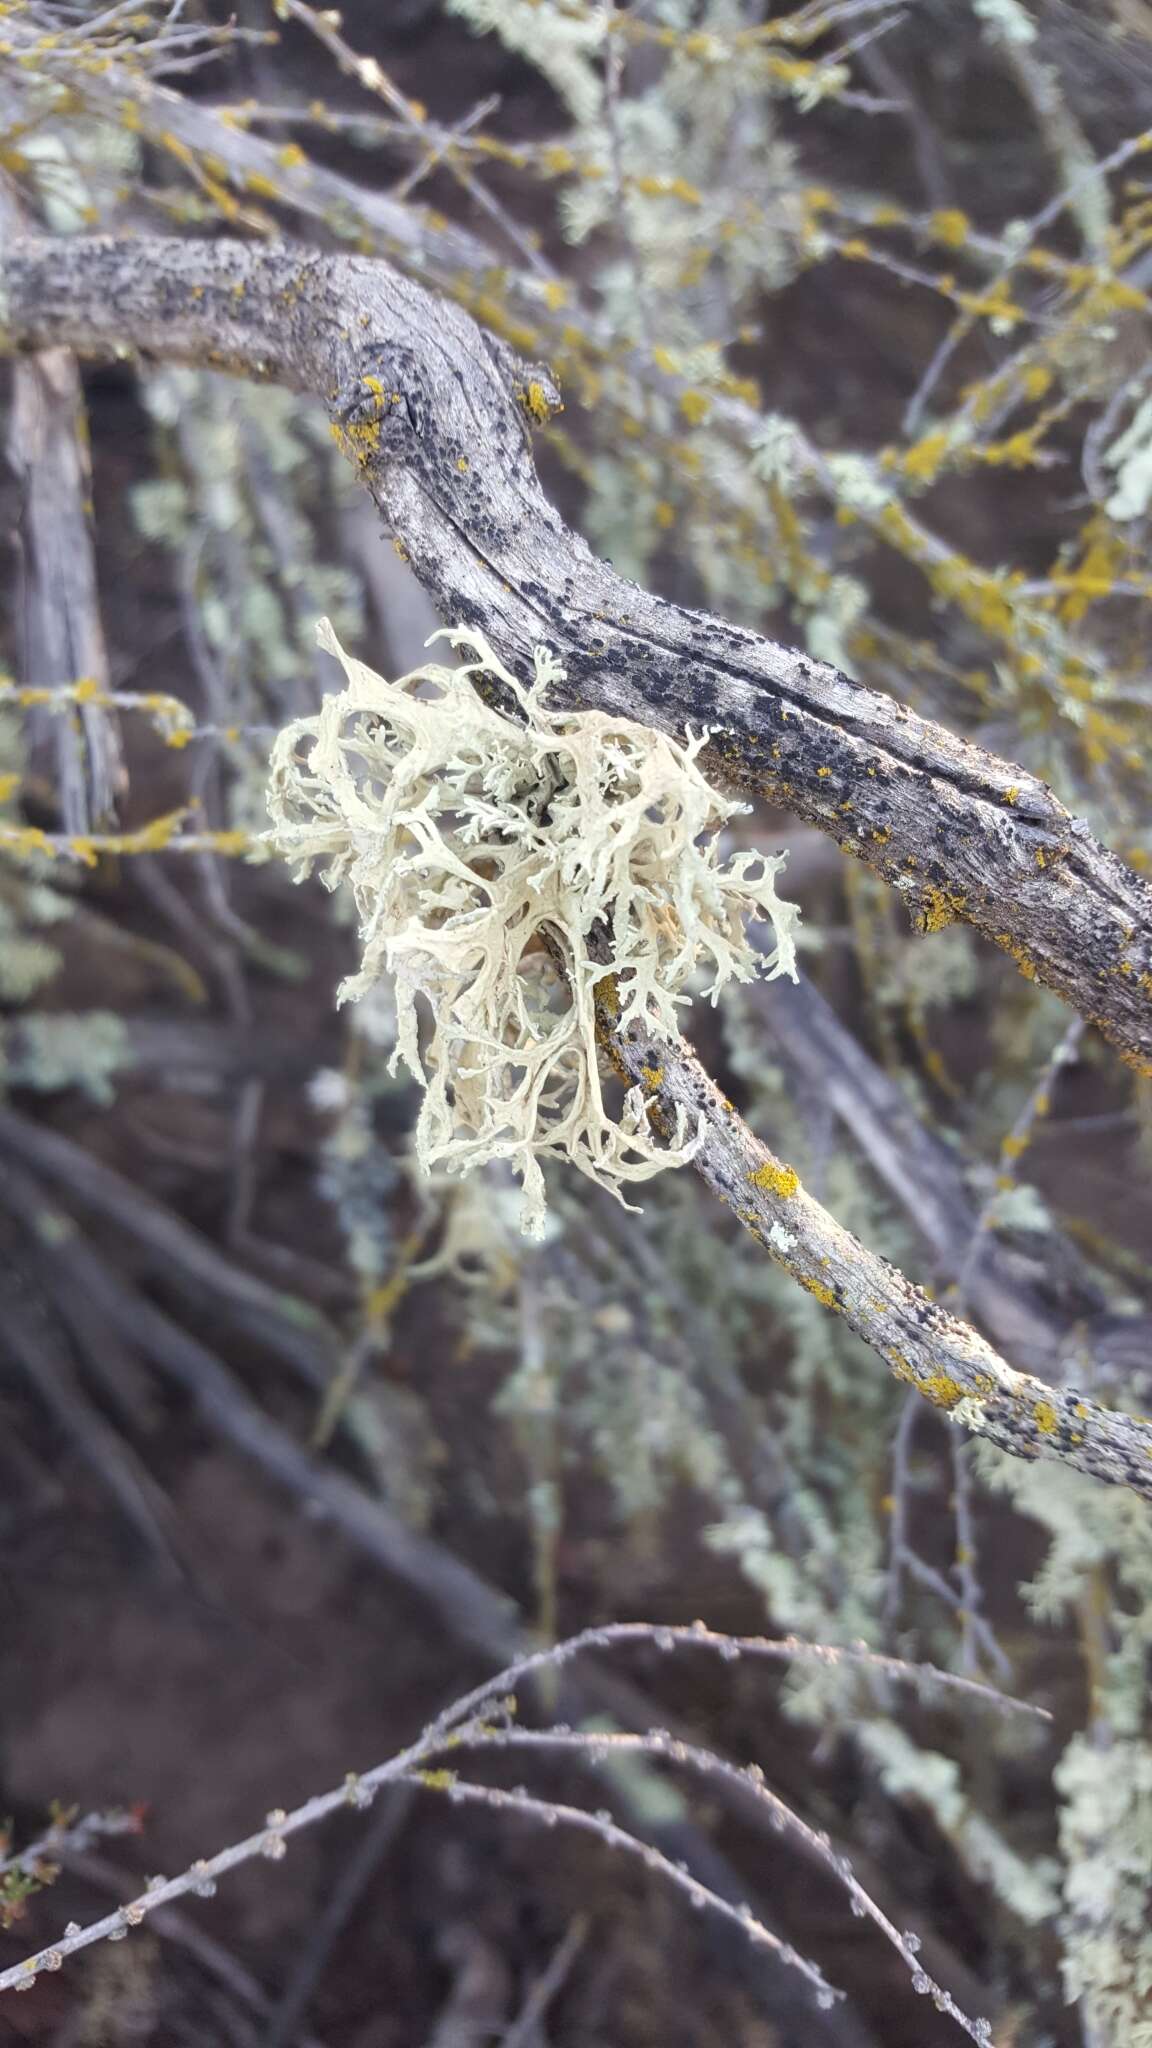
column 60, row 637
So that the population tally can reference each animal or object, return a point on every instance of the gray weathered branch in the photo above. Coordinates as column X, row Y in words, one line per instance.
column 435, row 414
column 60, row 632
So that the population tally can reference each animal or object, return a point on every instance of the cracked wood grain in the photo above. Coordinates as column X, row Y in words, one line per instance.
column 59, row 636
column 435, row 414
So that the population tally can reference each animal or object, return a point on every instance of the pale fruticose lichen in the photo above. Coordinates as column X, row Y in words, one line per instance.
column 508, row 860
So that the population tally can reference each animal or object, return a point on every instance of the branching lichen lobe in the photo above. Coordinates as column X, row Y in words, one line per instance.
column 501, row 855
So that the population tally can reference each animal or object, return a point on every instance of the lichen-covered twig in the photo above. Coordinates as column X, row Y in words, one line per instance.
column 923, row 1344
column 433, row 413
column 62, row 633
column 474, row 832
column 1029, row 1302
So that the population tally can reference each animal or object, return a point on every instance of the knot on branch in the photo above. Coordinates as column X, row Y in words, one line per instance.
column 382, row 411
column 536, row 392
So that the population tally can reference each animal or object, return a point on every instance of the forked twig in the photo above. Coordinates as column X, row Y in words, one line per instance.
column 466, row 1724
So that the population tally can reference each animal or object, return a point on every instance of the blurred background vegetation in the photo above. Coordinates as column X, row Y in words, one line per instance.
column 850, row 308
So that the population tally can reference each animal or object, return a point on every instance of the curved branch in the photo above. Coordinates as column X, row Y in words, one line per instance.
column 435, row 414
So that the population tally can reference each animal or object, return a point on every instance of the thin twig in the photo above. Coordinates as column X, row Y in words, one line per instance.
column 176, row 1927
column 925, row 1346
column 378, row 1841
column 35, row 1347
column 523, row 2031
column 368, row 72
column 1012, row 1149
column 657, row 1743
column 664, row 1638
column 459, row 1727
column 613, row 71
column 299, row 1335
